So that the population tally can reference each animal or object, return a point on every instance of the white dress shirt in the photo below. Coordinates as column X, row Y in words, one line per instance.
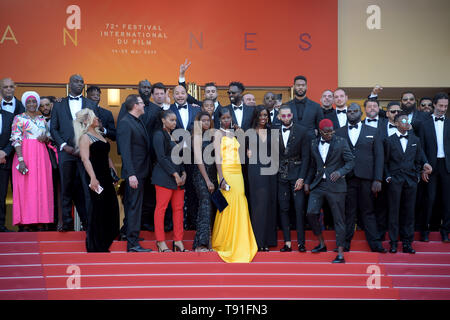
column 184, row 114
column 404, row 142
column 373, row 124
column 9, row 108
column 439, row 128
column 272, row 115
column 323, row 150
column 353, row 133
column 285, row 134
column 342, row 117
column 239, row 113
column 75, row 106
column 391, row 131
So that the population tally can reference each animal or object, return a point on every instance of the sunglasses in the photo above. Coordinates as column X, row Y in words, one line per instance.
column 394, row 111
column 404, row 121
column 426, row 104
column 286, row 116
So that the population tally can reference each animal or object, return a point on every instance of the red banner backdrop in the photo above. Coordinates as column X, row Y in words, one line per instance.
column 121, row 42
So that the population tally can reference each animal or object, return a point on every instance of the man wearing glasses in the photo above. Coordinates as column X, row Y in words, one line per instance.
column 426, row 105
column 294, row 146
column 241, row 114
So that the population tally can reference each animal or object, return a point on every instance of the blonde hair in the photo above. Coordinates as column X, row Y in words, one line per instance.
column 84, row 119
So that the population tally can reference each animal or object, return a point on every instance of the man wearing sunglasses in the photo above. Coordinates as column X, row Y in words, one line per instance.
column 426, row 105
column 241, row 114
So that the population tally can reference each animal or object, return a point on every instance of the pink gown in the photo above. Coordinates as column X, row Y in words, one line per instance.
column 32, row 192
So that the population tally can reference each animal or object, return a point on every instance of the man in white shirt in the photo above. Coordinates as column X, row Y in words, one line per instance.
column 9, row 102
column 340, row 101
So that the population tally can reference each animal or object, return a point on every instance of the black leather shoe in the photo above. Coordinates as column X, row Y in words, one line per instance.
column 301, row 248
column 5, row 229
column 338, row 259
column 444, row 236
column 408, row 249
column 393, row 248
column 319, row 248
column 138, row 249
column 379, row 249
column 286, row 249
column 424, row 236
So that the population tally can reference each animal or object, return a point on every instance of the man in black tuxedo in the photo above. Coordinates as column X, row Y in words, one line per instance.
column 373, row 117
column 269, row 103
column 241, row 114
column 339, row 116
column 364, row 181
column 134, row 145
column 403, row 164
column 144, row 89
column 326, row 101
column 74, row 186
column 9, row 102
column 307, row 112
column 435, row 138
column 294, row 160
column 184, row 111
column 108, row 129
column 6, row 154
column 331, row 160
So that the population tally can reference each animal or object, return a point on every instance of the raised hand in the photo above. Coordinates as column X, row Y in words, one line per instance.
column 184, row 66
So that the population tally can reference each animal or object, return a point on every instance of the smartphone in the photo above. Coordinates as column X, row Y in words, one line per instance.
column 99, row 189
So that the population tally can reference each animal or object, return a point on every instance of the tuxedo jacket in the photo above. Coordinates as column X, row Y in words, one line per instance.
column 5, row 135
column 247, row 116
column 339, row 158
column 61, row 124
column 332, row 115
column 417, row 120
column 403, row 166
column 192, row 113
column 134, row 146
column 164, row 169
column 429, row 141
column 107, row 120
column 275, row 121
column 368, row 152
column 19, row 107
column 294, row 158
column 307, row 113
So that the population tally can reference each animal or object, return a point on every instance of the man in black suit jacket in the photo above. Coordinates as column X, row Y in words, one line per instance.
column 294, row 160
column 184, row 111
column 6, row 154
column 435, row 138
column 364, row 181
column 105, row 116
column 74, row 186
column 134, row 145
column 144, row 89
column 306, row 112
column 331, row 160
column 241, row 114
column 9, row 102
column 403, row 163
column 269, row 103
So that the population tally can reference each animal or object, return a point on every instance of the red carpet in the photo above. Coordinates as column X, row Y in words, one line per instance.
column 35, row 266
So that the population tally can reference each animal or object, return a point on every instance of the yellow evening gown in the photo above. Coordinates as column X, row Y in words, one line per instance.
column 232, row 235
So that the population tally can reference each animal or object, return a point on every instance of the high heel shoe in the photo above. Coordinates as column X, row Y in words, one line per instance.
column 162, row 250
column 177, row 248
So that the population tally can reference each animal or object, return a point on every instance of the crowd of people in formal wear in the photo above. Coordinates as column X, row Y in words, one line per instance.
column 194, row 165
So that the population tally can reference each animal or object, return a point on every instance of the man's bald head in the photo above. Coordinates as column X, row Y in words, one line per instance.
column 7, row 88
column 76, row 85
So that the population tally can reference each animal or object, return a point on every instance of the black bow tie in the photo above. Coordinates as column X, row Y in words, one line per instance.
column 74, row 98
column 182, row 107
column 7, row 103
column 392, row 126
column 370, row 120
column 323, row 142
column 341, row 111
column 286, row 129
column 439, row 119
column 235, row 108
column 353, row 127
column 405, row 136
column 271, row 113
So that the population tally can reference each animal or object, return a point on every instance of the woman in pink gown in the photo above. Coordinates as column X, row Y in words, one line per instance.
column 32, row 170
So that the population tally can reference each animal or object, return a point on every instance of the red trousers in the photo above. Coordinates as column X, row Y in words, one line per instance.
column 163, row 197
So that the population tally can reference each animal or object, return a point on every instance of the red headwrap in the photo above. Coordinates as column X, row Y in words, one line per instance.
column 325, row 123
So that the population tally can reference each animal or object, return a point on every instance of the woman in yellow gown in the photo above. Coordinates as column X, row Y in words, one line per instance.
column 232, row 235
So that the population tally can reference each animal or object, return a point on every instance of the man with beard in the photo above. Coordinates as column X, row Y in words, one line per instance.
column 9, row 102
column 340, row 101
column 241, row 114
column 306, row 112
column 107, row 127
column 426, row 105
column 373, row 118
column 144, row 88
column 294, row 161
column 74, row 186
column 364, row 181
column 327, row 103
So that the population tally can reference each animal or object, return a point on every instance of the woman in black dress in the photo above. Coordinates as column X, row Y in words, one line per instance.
column 204, row 176
column 262, row 186
column 103, row 224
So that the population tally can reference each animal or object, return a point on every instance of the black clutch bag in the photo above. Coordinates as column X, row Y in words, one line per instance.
column 219, row 200
column 114, row 175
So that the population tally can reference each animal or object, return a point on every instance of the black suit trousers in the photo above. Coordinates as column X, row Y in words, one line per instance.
column 4, row 182
column 360, row 198
column 132, row 203
column 381, row 211
column 402, row 199
column 285, row 192
column 336, row 201
column 438, row 178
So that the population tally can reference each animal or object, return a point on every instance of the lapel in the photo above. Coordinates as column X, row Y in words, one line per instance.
column 408, row 144
column 280, row 134
column 398, row 144
column 292, row 137
column 446, row 125
column 66, row 108
column 362, row 133
column 330, row 149
column 177, row 113
column 315, row 148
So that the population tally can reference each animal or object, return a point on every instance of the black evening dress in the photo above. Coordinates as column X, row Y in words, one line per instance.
column 103, row 226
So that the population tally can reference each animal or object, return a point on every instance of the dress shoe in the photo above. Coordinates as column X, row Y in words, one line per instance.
column 408, row 249
column 444, row 236
column 393, row 248
column 5, row 229
column 424, row 236
column 138, row 249
column 319, row 248
column 338, row 259
column 379, row 249
column 286, row 249
column 301, row 248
